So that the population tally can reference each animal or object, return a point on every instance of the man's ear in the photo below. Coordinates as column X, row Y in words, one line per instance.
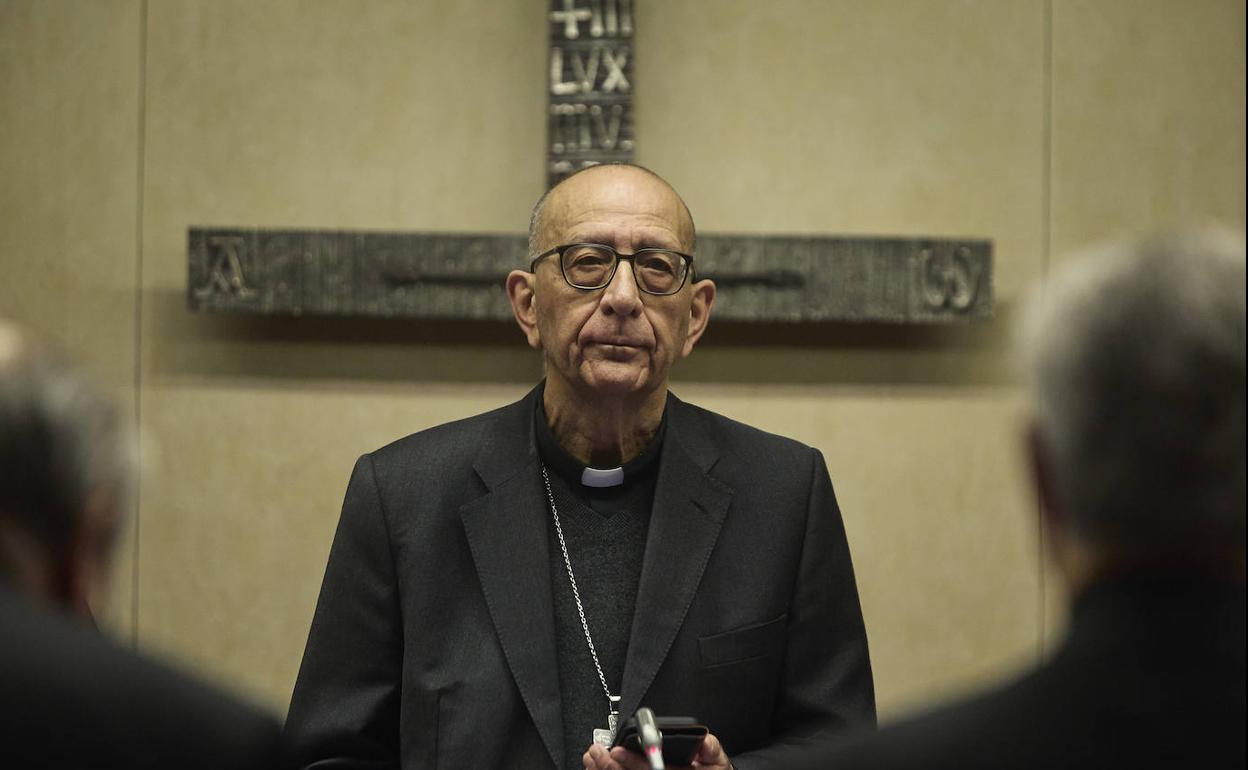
column 90, row 555
column 524, row 304
column 1052, row 517
column 699, row 313
column 69, row 582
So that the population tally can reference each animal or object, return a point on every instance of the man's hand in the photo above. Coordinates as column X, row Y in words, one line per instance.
column 711, row 756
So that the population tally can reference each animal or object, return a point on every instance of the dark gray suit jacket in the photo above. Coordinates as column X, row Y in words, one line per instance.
column 1151, row 675
column 70, row 698
column 433, row 639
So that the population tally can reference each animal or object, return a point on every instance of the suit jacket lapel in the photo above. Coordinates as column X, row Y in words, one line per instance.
column 689, row 510
column 506, row 532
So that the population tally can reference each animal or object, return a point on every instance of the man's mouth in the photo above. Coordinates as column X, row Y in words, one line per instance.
column 617, row 349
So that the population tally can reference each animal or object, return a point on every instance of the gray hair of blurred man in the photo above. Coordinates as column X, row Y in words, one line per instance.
column 65, row 455
column 1134, row 357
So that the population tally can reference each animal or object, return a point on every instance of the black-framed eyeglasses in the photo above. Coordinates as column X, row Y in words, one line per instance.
column 591, row 266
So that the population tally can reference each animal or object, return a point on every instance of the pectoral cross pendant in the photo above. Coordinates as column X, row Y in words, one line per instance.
column 605, row 738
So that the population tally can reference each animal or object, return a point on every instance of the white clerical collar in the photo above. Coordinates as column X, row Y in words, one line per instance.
column 597, row 477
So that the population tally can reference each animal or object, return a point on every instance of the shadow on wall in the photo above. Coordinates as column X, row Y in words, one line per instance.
column 190, row 345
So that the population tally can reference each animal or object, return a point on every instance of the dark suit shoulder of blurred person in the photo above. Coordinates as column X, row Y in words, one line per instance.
column 69, row 696
column 1134, row 358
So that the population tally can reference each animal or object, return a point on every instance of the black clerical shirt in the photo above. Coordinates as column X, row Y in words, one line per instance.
column 605, row 532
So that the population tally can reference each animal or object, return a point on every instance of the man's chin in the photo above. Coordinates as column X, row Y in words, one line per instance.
column 616, row 377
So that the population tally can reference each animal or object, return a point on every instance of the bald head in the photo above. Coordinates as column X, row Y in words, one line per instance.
column 551, row 208
column 610, row 347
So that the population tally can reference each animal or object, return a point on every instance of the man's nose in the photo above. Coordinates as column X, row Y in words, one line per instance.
column 622, row 296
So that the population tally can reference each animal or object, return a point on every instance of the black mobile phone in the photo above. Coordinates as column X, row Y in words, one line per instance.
column 682, row 737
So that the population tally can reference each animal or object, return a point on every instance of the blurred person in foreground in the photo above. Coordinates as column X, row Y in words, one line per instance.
column 1134, row 358
column 69, row 697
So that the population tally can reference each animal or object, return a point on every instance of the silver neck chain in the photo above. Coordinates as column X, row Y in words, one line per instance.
column 576, row 595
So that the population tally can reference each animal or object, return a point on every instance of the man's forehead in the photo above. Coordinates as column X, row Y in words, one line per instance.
column 605, row 192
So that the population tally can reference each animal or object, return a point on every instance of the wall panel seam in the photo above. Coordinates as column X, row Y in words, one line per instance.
column 1046, row 204
column 140, row 181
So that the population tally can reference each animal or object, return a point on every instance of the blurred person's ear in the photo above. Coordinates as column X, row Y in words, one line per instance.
column 1075, row 559
column 89, row 557
column 1043, row 483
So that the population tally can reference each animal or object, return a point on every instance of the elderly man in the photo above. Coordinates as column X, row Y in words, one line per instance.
column 1136, row 367
column 502, row 590
column 72, row 698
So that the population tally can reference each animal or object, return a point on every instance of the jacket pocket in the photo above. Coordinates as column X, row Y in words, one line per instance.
column 741, row 644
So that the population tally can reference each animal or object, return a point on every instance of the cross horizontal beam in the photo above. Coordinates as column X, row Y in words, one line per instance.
column 460, row 276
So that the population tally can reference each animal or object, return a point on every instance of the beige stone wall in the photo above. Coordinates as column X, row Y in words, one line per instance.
column 1042, row 126
column 69, row 197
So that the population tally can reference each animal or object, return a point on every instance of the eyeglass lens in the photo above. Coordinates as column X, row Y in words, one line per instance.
column 590, row 267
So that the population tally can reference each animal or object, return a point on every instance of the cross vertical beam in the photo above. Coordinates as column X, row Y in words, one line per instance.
column 590, row 87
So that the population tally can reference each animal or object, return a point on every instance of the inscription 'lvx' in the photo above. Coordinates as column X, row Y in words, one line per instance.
column 590, row 89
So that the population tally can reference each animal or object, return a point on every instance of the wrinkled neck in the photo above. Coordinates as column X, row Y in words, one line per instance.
column 603, row 432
